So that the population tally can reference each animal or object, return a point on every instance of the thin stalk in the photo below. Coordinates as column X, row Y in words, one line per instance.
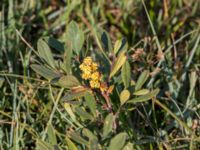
column 53, row 112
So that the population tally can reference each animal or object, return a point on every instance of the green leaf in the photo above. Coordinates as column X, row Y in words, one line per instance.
column 89, row 134
column 41, row 145
column 124, row 96
column 90, row 102
column 120, row 45
column 68, row 81
column 67, row 58
column 145, row 97
column 128, row 146
column 141, row 92
column 45, row 72
column 75, row 36
column 74, row 94
column 126, row 74
column 45, row 52
column 93, row 140
column 77, row 138
column 69, row 111
column 121, row 59
column 93, row 145
column 54, row 43
column 71, row 145
column 141, row 80
column 106, row 42
column 117, row 142
column 83, row 114
column 51, row 135
column 108, row 124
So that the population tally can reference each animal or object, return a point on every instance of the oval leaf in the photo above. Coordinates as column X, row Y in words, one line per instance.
column 83, row 114
column 128, row 146
column 120, row 45
column 90, row 102
column 117, row 142
column 68, row 81
column 44, row 71
column 51, row 135
column 75, row 36
column 89, row 134
column 45, row 52
column 71, row 145
column 126, row 74
column 141, row 80
column 145, row 97
column 118, row 63
column 124, row 96
column 67, row 58
column 108, row 124
column 141, row 92
column 77, row 137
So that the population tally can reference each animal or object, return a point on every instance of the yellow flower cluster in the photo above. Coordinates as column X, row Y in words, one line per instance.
column 89, row 72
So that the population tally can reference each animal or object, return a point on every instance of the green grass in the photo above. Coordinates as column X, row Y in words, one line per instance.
column 153, row 100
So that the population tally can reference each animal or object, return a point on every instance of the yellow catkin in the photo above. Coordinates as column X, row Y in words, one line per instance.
column 95, row 76
column 89, row 72
column 94, row 83
column 87, row 61
column 94, row 66
column 85, row 76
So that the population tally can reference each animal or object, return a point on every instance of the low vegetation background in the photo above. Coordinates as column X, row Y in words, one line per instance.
column 101, row 74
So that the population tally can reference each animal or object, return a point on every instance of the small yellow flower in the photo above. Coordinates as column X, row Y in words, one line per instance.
column 87, row 69
column 95, row 76
column 94, row 66
column 94, row 83
column 86, row 76
column 82, row 66
column 87, row 61
column 89, row 72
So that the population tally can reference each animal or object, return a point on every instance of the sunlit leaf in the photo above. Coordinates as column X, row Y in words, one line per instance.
column 124, row 96
column 145, row 97
column 121, row 59
column 70, row 144
column 45, row 72
column 83, row 113
column 117, row 142
column 90, row 102
column 126, row 74
column 128, row 146
column 45, row 52
column 120, row 44
column 108, row 124
column 51, row 135
column 75, row 36
column 77, row 138
column 141, row 80
column 141, row 92
column 68, row 81
column 41, row 145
